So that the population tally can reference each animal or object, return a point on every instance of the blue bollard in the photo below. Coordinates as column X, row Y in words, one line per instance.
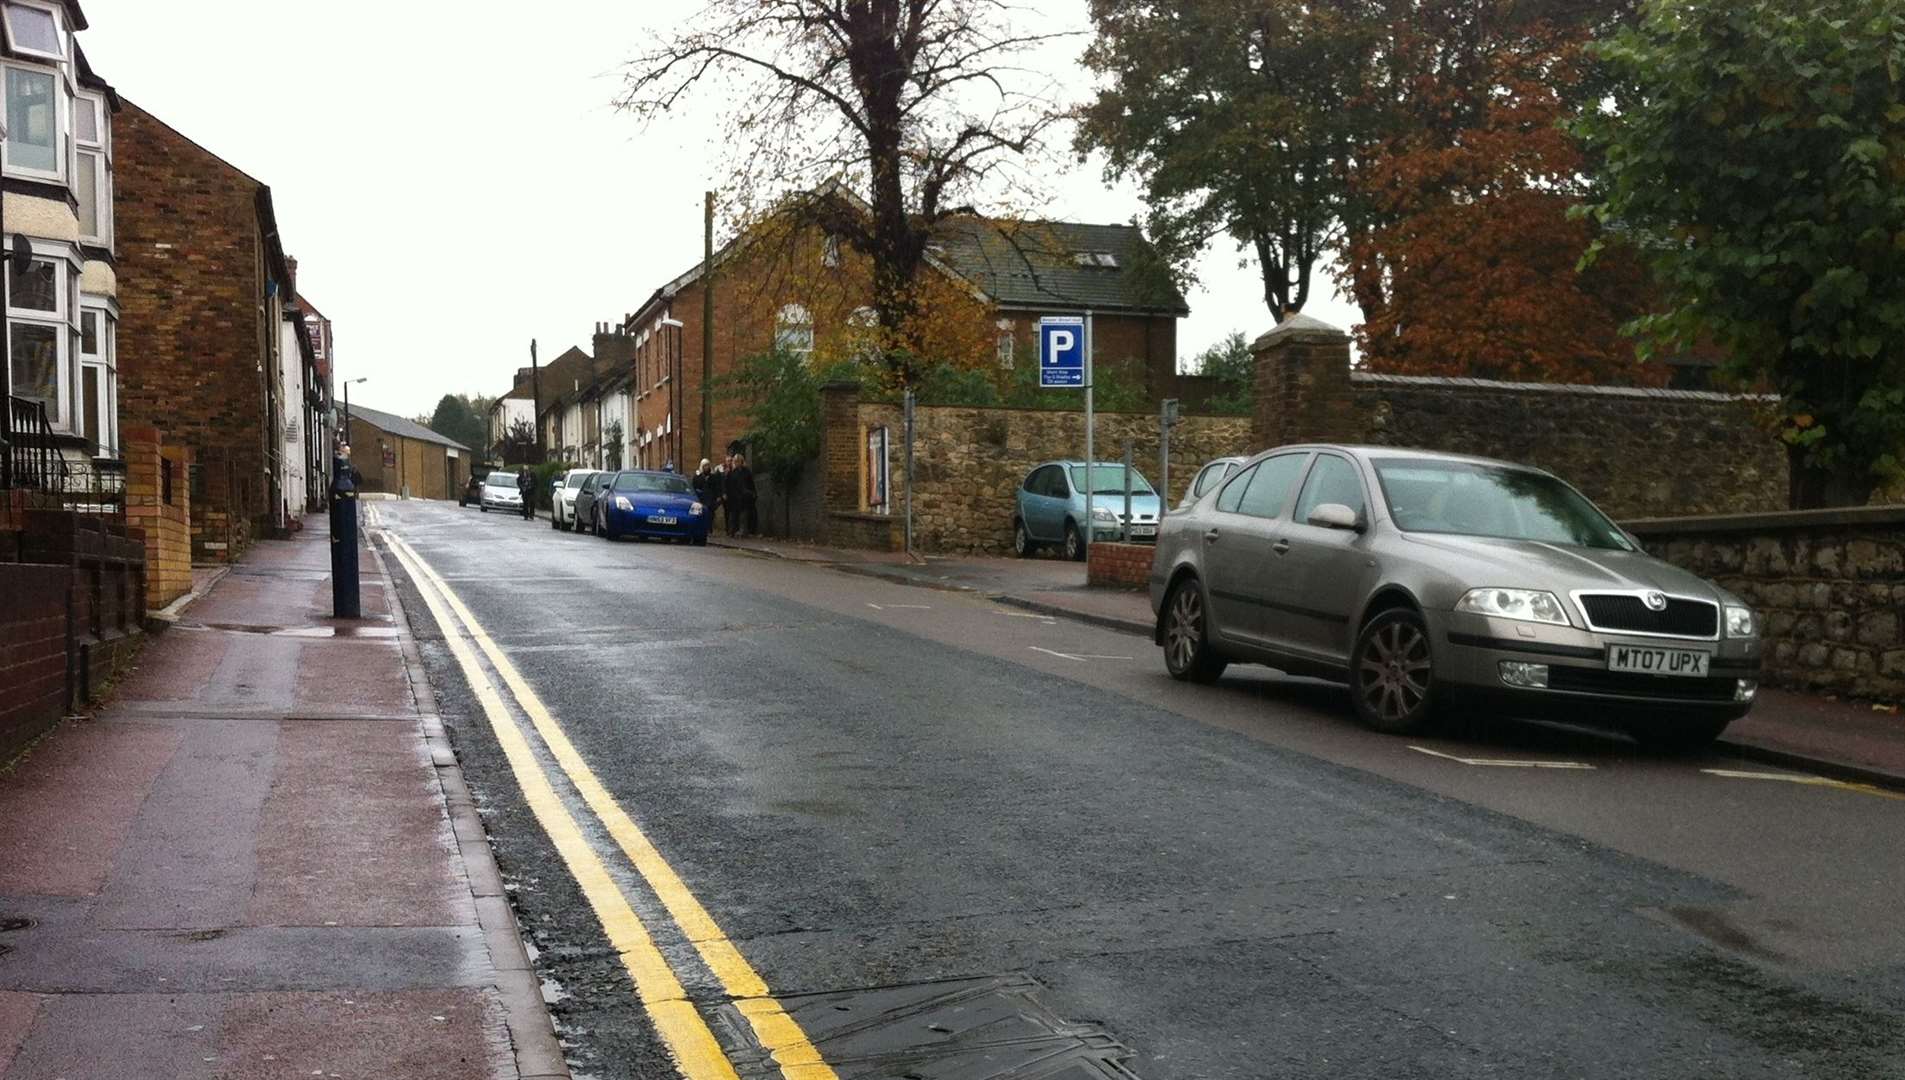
column 345, row 603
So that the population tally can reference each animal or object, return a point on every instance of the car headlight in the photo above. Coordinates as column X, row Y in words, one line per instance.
column 1739, row 622
column 697, row 510
column 622, row 503
column 1528, row 605
column 1099, row 513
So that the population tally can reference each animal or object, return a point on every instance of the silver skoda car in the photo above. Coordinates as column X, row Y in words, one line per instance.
column 1424, row 579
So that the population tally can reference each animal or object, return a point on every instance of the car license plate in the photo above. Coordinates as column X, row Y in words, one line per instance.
column 1144, row 530
column 1647, row 660
column 660, row 519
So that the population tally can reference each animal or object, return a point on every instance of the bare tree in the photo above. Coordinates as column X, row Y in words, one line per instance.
column 920, row 103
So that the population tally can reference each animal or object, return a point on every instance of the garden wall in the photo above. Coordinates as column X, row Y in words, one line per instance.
column 1829, row 587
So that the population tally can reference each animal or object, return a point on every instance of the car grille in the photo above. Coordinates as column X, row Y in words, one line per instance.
column 1629, row 684
column 1626, row 612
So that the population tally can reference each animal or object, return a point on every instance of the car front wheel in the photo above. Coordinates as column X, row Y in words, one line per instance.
column 1074, row 543
column 1392, row 673
column 1188, row 655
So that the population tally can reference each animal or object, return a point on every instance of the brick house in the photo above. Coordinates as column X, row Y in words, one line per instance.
column 205, row 287
column 320, row 400
column 986, row 283
column 519, row 402
column 403, row 458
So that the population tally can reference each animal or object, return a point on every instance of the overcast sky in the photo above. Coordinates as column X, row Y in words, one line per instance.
column 454, row 182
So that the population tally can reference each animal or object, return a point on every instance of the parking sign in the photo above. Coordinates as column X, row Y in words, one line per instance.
column 1061, row 351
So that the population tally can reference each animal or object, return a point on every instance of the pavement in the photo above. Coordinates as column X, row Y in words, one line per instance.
column 1855, row 741
column 259, row 859
column 761, row 816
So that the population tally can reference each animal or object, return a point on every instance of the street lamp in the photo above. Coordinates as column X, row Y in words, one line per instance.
column 346, row 440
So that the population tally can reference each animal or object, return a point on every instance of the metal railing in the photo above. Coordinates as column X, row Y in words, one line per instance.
column 33, row 460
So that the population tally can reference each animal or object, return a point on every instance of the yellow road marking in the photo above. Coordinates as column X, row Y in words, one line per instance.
column 778, row 1032
column 697, row 1053
column 1809, row 781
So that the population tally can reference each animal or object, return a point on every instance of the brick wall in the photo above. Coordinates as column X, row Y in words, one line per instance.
column 158, row 502
column 1119, row 566
column 1829, row 587
column 192, row 338
column 1634, row 451
column 32, row 652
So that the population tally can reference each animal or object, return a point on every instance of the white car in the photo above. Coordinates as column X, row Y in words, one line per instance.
column 499, row 493
column 562, row 498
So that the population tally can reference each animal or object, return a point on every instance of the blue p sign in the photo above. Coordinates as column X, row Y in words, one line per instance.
column 1061, row 351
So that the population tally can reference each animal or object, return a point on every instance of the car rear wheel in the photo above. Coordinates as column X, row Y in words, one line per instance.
column 485, row 509
column 1188, row 655
column 1022, row 543
column 1074, row 543
column 1392, row 673
column 1678, row 737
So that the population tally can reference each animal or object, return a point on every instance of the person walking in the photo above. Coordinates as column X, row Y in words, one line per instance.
column 526, row 487
column 744, row 483
column 704, row 485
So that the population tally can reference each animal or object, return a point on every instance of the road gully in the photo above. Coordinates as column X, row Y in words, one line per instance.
column 761, row 818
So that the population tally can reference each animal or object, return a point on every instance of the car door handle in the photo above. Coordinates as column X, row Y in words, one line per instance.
column 1280, row 546
column 1211, row 536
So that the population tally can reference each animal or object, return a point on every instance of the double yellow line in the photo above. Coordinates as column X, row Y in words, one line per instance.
column 697, row 1053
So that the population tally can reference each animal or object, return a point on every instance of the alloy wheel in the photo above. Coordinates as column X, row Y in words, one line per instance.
column 1184, row 631
column 1394, row 673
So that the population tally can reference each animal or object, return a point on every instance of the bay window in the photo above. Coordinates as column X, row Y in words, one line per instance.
column 92, row 168
column 33, row 146
column 98, row 420
column 34, row 30
column 41, row 337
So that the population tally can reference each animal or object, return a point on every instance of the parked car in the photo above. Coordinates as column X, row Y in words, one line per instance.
column 656, row 505
column 1214, row 472
column 1050, row 509
column 583, row 514
column 473, row 489
column 562, row 498
column 1424, row 579
column 500, row 493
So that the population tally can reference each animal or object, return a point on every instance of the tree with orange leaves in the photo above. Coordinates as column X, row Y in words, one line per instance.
column 1464, row 254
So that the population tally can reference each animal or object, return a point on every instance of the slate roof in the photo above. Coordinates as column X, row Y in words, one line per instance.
column 397, row 425
column 1035, row 264
column 573, row 364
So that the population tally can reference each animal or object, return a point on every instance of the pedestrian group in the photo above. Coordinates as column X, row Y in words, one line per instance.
column 729, row 486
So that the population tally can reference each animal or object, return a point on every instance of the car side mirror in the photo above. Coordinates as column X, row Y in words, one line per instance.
column 1336, row 516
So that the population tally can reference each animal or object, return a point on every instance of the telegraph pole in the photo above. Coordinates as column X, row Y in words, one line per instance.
column 535, row 388
column 707, row 326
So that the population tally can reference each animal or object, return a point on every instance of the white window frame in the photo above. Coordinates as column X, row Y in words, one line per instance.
column 63, row 319
column 101, row 151
column 794, row 330
column 62, row 125
column 60, row 32
column 106, row 361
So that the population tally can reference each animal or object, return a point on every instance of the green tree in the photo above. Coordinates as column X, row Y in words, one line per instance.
column 1229, row 362
column 1233, row 115
column 453, row 419
column 1759, row 163
column 781, row 394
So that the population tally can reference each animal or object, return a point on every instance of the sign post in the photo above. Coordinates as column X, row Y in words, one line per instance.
column 1064, row 362
column 1167, row 419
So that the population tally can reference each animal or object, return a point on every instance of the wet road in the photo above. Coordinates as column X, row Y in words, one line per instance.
column 953, row 839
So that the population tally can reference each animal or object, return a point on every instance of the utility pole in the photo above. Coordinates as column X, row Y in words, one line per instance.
column 707, row 326
column 535, row 390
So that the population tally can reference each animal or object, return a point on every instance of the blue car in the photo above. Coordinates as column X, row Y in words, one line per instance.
column 1050, row 508
column 655, row 505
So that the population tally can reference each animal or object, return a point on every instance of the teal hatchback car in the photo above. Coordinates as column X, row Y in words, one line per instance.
column 1051, row 508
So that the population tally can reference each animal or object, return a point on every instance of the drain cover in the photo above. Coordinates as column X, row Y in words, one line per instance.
column 991, row 1028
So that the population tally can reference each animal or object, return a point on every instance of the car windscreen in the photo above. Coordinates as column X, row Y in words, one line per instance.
column 1109, row 480
column 502, row 479
column 1472, row 499
column 642, row 481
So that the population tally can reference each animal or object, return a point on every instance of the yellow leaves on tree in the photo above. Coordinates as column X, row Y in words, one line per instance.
column 1467, row 262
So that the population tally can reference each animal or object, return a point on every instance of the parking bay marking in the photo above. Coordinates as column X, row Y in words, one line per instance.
column 1506, row 763
column 899, row 607
column 690, row 1039
column 1083, row 658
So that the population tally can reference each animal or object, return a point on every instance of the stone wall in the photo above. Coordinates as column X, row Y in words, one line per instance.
column 968, row 463
column 1634, row 451
column 1828, row 585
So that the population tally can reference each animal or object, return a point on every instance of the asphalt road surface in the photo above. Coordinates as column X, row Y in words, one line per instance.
column 931, row 837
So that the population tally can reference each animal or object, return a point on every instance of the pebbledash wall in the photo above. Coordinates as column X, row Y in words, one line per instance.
column 1829, row 587
column 969, row 462
column 1635, row 451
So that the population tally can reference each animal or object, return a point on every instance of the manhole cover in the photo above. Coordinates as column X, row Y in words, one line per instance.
column 964, row 1029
